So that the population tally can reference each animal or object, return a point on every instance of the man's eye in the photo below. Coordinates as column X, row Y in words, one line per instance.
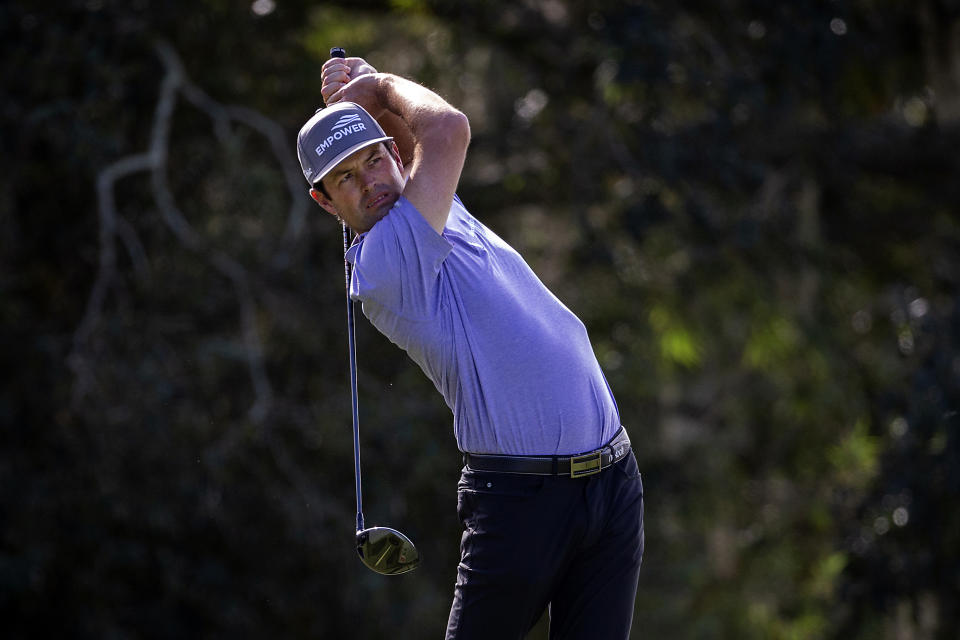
column 344, row 178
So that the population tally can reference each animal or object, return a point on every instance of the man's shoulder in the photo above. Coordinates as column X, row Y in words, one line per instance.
column 403, row 215
column 460, row 219
column 406, row 214
column 401, row 229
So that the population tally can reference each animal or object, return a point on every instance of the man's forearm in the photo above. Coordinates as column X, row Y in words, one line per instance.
column 412, row 112
column 399, row 130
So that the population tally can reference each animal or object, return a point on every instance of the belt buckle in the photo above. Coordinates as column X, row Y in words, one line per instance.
column 587, row 464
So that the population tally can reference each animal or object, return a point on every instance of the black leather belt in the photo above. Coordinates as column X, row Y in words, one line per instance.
column 578, row 466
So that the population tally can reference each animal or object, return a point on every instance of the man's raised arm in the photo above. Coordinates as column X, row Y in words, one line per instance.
column 440, row 137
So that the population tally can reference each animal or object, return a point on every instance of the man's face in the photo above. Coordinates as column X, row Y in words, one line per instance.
column 363, row 187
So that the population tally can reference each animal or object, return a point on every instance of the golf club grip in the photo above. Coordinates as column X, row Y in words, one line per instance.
column 336, row 52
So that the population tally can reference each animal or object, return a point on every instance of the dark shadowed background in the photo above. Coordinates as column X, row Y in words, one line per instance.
column 753, row 207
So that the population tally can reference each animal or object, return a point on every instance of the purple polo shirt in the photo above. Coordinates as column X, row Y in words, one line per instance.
column 512, row 362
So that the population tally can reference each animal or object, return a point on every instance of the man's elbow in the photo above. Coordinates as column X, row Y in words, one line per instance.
column 454, row 130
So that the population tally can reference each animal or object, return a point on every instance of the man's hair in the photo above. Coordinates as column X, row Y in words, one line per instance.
column 318, row 185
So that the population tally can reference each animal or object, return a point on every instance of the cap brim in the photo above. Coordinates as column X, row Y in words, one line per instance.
column 344, row 154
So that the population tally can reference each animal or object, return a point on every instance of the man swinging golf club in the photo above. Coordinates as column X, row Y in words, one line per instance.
column 550, row 496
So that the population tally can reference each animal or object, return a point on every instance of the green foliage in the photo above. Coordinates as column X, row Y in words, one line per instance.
column 751, row 206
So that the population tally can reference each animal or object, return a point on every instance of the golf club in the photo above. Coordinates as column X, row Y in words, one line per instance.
column 382, row 549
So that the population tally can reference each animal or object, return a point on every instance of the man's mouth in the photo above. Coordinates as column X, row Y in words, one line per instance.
column 378, row 200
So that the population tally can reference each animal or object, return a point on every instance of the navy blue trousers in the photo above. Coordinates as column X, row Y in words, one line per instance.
column 532, row 542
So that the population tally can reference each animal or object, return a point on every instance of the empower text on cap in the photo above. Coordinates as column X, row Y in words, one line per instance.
column 332, row 134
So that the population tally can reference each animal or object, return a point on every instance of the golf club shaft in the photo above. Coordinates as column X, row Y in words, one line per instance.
column 382, row 549
column 337, row 52
column 352, row 349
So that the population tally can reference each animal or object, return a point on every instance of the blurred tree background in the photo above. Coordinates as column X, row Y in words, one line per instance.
column 752, row 206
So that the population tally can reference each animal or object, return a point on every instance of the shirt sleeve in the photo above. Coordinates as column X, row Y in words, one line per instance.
column 397, row 263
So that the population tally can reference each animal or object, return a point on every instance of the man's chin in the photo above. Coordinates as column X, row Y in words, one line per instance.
column 378, row 212
column 373, row 216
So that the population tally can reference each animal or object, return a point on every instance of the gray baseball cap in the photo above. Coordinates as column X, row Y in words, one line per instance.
column 332, row 134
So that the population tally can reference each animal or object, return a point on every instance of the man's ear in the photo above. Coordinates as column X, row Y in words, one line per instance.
column 324, row 202
column 396, row 158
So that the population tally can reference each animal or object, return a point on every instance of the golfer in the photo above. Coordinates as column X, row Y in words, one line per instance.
column 550, row 497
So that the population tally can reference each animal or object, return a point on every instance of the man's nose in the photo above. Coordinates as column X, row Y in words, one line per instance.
column 367, row 179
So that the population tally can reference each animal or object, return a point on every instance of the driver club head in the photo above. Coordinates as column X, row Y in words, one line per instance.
column 387, row 551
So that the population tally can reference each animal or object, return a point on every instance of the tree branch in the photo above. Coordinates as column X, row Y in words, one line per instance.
column 175, row 83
